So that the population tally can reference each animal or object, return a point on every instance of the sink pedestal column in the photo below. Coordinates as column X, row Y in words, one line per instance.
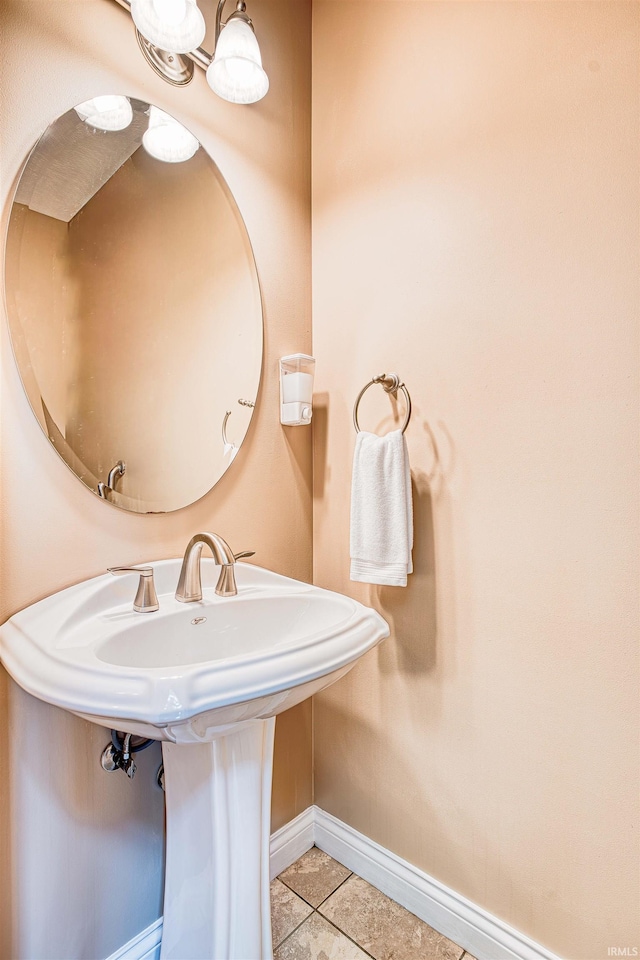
column 218, row 803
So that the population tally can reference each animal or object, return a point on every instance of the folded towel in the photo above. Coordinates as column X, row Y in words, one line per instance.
column 381, row 510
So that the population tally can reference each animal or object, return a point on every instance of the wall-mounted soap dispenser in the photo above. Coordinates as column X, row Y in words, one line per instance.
column 296, row 389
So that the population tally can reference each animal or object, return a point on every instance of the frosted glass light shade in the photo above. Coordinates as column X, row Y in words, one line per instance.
column 174, row 25
column 236, row 73
column 168, row 140
column 106, row 113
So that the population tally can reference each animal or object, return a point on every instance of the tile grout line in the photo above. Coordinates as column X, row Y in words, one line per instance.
column 354, row 942
column 353, row 874
column 323, row 917
column 279, row 877
column 275, row 949
column 463, row 953
column 341, row 884
column 316, row 910
column 334, row 925
column 326, row 920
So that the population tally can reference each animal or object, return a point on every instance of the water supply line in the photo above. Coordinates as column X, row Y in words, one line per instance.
column 118, row 755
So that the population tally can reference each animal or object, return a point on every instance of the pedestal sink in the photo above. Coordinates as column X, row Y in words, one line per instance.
column 207, row 679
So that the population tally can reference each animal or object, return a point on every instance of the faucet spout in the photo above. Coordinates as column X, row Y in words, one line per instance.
column 190, row 581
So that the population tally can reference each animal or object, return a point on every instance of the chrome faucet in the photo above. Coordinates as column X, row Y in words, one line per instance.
column 190, row 581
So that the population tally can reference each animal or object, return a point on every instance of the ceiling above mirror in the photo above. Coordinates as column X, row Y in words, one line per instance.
column 134, row 305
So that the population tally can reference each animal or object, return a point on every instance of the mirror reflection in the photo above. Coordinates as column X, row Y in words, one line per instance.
column 133, row 304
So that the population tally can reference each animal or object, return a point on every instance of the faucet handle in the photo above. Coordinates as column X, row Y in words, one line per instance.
column 146, row 600
column 226, row 586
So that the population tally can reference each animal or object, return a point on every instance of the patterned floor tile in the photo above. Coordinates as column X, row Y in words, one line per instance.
column 287, row 911
column 318, row 940
column 382, row 927
column 314, row 876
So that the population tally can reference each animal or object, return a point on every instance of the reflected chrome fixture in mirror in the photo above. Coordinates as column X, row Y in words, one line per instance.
column 170, row 33
column 114, row 474
column 129, row 346
column 229, row 447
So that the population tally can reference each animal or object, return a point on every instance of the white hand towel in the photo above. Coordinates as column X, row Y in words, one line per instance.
column 381, row 510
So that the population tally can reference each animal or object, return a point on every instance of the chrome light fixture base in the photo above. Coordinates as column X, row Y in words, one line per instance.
column 176, row 68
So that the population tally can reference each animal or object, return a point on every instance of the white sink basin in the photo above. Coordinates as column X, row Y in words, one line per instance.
column 226, row 629
column 207, row 678
column 162, row 674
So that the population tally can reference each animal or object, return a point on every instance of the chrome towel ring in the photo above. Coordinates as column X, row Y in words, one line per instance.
column 391, row 383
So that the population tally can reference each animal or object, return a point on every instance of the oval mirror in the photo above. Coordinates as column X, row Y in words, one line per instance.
column 133, row 304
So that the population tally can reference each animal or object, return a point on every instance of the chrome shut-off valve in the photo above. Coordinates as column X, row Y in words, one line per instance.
column 118, row 755
column 119, row 758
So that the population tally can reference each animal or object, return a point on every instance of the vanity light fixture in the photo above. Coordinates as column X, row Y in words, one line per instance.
column 236, row 73
column 170, row 31
column 106, row 113
column 166, row 139
column 175, row 25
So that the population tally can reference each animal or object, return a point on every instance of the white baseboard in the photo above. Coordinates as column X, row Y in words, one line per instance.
column 483, row 935
column 291, row 841
column 146, row 946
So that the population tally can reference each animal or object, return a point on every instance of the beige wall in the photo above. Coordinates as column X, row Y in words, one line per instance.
column 475, row 228
column 55, row 532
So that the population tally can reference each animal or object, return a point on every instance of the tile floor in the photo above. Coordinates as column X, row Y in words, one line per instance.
column 322, row 911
